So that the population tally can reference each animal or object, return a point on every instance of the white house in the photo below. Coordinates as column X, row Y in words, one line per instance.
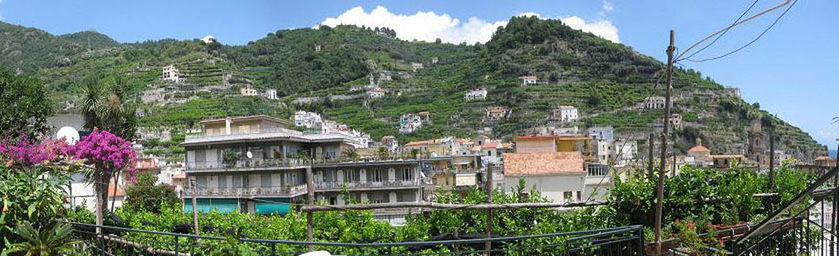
column 271, row 94
column 209, row 39
column 247, row 91
column 416, row 66
column 170, row 73
column 528, row 80
column 567, row 114
column 307, row 119
column 476, row 94
column 654, row 102
column 602, row 132
column 409, row 123
column 496, row 113
column 558, row 176
column 626, row 151
column 376, row 93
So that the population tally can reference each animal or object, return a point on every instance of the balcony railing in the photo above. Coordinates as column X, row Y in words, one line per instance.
column 367, row 184
column 289, row 162
column 246, row 164
column 234, row 133
column 290, row 190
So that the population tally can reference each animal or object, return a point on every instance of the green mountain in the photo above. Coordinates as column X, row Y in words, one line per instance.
column 325, row 70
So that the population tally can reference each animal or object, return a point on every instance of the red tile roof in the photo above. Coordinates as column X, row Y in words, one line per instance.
column 419, row 143
column 543, row 164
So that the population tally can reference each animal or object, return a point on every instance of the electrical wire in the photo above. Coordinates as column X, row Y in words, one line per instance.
column 753, row 40
column 722, row 34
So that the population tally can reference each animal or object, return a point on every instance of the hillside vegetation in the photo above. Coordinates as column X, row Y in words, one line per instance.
column 321, row 69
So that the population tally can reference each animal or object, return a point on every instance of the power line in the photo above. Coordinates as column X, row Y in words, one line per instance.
column 723, row 33
column 751, row 42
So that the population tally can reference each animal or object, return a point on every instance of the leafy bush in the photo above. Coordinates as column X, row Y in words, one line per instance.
column 148, row 196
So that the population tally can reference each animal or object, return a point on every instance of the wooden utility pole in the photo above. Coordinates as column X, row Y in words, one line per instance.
column 650, row 169
column 673, row 172
column 772, row 160
column 835, row 216
column 488, row 245
column 194, row 204
column 310, row 191
column 660, row 187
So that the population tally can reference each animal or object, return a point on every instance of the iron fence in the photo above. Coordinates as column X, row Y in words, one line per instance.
column 127, row 241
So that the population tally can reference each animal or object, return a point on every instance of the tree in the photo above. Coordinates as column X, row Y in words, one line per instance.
column 25, row 106
column 145, row 195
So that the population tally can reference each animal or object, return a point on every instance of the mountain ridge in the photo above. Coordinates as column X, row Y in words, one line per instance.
column 606, row 81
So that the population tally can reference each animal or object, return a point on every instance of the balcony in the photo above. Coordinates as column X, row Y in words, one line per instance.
column 282, row 191
column 276, row 130
column 366, row 185
column 245, row 165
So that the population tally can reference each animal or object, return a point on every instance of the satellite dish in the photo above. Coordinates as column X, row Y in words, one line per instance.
column 249, row 154
column 68, row 134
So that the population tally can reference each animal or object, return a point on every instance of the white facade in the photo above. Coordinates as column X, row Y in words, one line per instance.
column 307, row 119
column 170, row 73
column 477, row 94
column 626, row 152
column 557, row 188
column 416, row 66
column 209, row 39
column 655, row 102
column 376, row 93
column 602, row 132
column 271, row 94
column 409, row 123
column 568, row 114
column 246, row 91
column 528, row 80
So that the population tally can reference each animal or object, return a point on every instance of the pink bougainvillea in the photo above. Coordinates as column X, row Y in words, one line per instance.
column 105, row 150
column 27, row 153
column 102, row 149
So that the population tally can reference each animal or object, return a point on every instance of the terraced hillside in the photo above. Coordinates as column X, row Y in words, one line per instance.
column 368, row 79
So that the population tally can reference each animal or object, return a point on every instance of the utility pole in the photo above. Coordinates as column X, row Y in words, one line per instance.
column 194, row 204
column 310, row 191
column 660, row 187
column 673, row 173
column 835, row 216
column 650, row 170
column 772, row 160
column 488, row 244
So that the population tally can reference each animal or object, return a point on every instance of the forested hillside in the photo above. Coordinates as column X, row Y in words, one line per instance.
column 326, row 70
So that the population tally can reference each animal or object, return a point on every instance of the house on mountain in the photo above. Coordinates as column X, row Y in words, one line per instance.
column 416, row 66
column 566, row 114
column 247, row 91
column 409, row 123
column 733, row 92
column 172, row 74
column 376, row 93
column 385, row 76
column 528, row 80
column 654, row 102
column 318, row 47
column 700, row 154
column 476, row 94
column 495, row 114
column 271, row 94
column 435, row 59
column 307, row 119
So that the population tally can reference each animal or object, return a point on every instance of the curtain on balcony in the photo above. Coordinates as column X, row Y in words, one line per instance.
column 271, row 205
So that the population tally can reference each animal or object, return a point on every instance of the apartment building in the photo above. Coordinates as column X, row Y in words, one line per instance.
column 258, row 164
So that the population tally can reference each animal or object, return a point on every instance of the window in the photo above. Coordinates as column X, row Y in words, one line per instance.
column 377, row 176
column 579, row 196
column 237, row 181
column 333, row 200
column 265, row 180
column 222, row 181
column 407, row 174
column 567, row 196
column 350, row 176
column 201, row 182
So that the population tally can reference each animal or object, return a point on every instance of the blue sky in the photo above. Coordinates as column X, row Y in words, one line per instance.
column 791, row 71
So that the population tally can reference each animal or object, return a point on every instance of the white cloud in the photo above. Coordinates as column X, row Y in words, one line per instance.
column 607, row 6
column 602, row 28
column 428, row 26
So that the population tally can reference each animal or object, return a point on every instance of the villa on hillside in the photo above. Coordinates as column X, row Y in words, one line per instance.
column 528, row 80
column 476, row 94
column 170, row 73
column 495, row 114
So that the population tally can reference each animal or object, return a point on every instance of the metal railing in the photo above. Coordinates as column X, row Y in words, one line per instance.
column 203, row 134
column 367, row 184
column 127, row 241
column 241, row 192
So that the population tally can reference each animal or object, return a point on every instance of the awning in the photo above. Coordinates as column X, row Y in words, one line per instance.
column 271, row 205
column 206, row 205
